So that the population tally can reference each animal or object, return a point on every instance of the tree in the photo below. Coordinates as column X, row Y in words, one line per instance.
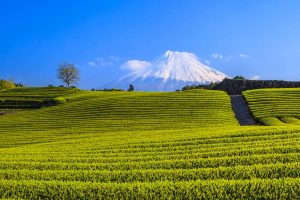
column 131, row 88
column 6, row 84
column 19, row 85
column 239, row 78
column 68, row 73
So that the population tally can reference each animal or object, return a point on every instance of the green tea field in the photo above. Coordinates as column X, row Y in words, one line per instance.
column 147, row 145
column 275, row 106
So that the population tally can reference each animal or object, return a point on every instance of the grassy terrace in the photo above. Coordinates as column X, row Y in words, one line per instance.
column 125, row 110
column 29, row 98
column 275, row 106
column 136, row 145
column 39, row 93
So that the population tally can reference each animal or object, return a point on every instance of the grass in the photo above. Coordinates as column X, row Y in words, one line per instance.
column 137, row 145
column 275, row 106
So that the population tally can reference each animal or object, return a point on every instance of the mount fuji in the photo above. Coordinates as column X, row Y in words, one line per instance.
column 172, row 71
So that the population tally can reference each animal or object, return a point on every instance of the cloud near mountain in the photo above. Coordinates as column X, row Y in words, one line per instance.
column 169, row 72
column 136, row 65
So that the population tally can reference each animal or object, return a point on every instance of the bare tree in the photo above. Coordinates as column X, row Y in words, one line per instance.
column 68, row 73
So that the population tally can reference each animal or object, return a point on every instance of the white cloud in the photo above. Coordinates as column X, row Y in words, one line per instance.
column 136, row 65
column 217, row 56
column 103, row 61
column 91, row 63
column 229, row 57
column 243, row 55
column 255, row 77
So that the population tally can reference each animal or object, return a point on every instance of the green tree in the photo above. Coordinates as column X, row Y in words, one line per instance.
column 19, row 85
column 239, row 78
column 131, row 88
column 6, row 84
column 68, row 73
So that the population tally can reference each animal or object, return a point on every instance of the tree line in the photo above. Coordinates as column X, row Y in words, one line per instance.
column 208, row 86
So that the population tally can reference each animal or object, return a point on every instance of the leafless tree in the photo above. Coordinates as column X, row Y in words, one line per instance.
column 68, row 73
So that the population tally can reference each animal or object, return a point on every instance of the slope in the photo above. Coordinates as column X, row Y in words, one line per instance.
column 275, row 106
column 103, row 145
column 130, row 111
column 224, row 163
column 30, row 97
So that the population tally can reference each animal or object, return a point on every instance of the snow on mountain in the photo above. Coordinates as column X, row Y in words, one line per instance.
column 171, row 71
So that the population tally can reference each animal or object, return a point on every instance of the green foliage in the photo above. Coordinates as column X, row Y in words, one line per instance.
column 28, row 97
column 59, row 100
column 274, row 103
column 220, row 189
column 108, row 90
column 141, row 145
column 272, row 121
column 248, row 162
column 131, row 88
column 19, row 85
column 239, row 78
column 136, row 110
column 192, row 87
column 291, row 120
column 6, row 84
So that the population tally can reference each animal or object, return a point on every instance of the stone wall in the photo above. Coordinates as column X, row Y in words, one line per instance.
column 234, row 87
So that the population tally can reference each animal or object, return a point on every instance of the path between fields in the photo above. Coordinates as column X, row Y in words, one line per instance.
column 241, row 110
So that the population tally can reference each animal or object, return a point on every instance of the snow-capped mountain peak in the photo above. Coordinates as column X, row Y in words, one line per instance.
column 171, row 71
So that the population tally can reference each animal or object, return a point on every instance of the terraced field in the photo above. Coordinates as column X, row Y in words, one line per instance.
column 275, row 106
column 132, row 145
column 129, row 111
column 19, row 99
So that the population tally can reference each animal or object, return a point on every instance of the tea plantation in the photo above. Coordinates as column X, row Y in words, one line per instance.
column 275, row 106
column 138, row 145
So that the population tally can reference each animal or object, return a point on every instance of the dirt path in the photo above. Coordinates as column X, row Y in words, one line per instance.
column 241, row 110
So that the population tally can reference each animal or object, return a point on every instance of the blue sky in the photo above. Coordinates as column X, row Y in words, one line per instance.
column 254, row 38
